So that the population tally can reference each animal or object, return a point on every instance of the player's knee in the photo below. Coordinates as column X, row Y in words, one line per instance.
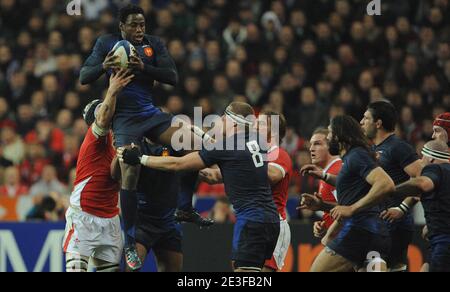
column 76, row 263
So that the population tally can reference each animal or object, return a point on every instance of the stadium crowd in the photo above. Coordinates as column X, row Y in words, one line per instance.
column 311, row 60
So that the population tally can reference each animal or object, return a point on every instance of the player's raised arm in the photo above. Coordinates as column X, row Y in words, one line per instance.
column 106, row 111
column 98, row 63
column 133, row 156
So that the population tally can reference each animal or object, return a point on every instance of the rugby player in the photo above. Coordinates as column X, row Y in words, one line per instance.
column 321, row 157
column 434, row 187
column 156, row 228
column 401, row 162
column 360, row 180
column 280, row 171
column 245, row 175
column 441, row 128
column 136, row 116
column 93, row 226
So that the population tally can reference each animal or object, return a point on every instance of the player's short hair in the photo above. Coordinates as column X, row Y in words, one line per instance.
column 437, row 150
column 128, row 10
column 242, row 113
column 90, row 111
column 242, row 109
column 321, row 131
column 282, row 127
column 437, row 145
column 384, row 111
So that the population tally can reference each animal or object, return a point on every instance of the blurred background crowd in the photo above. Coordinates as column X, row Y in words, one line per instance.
column 309, row 59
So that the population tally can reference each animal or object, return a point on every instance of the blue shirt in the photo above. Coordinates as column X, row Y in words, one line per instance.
column 437, row 203
column 135, row 99
column 246, row 180
column 351, row 186
column 394, row 156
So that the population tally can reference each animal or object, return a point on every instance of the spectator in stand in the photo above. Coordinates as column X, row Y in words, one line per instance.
column 49, row 183
column 32, row 166
column 6, row 117
column 45, row 133
column 12, row 147
column 12, row 187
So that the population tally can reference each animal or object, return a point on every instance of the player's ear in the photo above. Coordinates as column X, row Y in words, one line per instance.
column 379, row 124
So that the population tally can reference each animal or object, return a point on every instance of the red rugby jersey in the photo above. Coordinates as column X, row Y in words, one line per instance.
column 95, row 192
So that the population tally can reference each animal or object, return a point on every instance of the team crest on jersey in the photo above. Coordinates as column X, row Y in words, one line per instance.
column 378, row 155
column 148, row 52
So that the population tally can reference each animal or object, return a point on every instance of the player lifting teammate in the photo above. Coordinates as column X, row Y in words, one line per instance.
column 93, row 225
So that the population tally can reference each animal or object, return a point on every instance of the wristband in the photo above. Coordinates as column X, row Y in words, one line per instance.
column 404, row 208
column 144, row 159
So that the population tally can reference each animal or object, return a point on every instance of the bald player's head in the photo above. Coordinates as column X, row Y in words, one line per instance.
column 435, row 151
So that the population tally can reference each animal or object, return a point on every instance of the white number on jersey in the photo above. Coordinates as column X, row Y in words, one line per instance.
column 257, row 157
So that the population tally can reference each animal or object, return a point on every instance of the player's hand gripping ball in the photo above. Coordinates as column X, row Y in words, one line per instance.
column 124, row 52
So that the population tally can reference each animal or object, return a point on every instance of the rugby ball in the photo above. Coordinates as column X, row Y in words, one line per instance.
column 124, row 50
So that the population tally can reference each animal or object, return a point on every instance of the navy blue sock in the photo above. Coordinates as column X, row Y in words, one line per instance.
column 128, row 204
column 188, row 182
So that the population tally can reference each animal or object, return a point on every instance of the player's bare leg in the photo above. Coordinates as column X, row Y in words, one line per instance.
column 169, row 261
column 329, row 261
column 268, row 270
column 105, row 267
column 128, row 202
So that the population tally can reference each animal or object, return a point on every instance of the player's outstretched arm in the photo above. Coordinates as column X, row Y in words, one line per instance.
column 106, row 111
column 418, row 185
column 396, row 213
column 133, row 156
